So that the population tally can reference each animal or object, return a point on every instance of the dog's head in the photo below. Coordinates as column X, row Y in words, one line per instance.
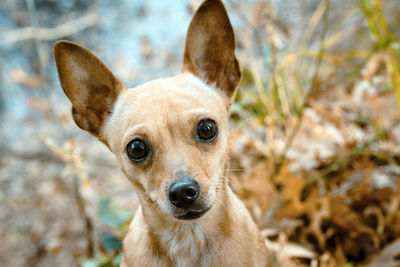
column 170, row 135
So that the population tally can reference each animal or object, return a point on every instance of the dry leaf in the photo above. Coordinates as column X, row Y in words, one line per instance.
column 40, row 104
column 19, row 76
column 389, row 256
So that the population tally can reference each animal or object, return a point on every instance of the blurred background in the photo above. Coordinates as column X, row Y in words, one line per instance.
column 315, row 146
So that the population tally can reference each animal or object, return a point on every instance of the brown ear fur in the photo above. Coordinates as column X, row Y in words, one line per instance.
column 88, row 83
column 210, row 48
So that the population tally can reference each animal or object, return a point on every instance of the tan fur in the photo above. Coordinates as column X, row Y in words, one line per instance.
column 165, row 114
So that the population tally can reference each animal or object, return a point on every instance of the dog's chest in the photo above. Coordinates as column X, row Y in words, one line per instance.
column 186, row 245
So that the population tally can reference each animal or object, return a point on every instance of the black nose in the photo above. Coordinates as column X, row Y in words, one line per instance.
column 183, row 193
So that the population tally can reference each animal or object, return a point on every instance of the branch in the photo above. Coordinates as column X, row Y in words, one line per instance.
column 49, row 34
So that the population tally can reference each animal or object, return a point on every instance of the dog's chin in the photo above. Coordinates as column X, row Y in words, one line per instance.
column 192, row 215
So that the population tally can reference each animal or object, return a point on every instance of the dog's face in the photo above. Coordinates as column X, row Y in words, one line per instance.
column 181, row 140
column 170, row 135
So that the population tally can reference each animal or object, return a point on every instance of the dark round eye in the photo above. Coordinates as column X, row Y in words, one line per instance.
column 137, row 150
column 207, row 130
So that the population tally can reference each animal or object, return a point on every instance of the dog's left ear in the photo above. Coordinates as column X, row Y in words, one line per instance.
column 210, row 48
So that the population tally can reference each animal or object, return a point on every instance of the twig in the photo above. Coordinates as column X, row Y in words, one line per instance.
column 82, row 213
column 49, row 34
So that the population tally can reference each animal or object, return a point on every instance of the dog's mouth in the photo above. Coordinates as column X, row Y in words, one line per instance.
column 191, row 215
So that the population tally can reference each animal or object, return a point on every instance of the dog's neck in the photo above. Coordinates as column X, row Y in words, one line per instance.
column 180, row 240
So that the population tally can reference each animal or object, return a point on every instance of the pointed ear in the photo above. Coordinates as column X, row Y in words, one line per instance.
column 89, row 85
column 210, row 48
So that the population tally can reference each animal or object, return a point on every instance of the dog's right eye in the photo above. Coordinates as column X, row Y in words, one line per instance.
column 207, row 130
column 137, row 150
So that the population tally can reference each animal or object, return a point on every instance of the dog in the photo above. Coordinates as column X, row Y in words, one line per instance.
column 170, row 137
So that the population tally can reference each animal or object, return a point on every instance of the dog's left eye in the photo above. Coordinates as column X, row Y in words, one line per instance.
column 137, row 150
column 207, row 130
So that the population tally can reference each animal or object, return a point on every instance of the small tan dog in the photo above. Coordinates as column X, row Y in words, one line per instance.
column 170, row 137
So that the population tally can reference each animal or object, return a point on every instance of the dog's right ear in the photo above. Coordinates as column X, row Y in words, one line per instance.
column 210, row 48
column 89, row 84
